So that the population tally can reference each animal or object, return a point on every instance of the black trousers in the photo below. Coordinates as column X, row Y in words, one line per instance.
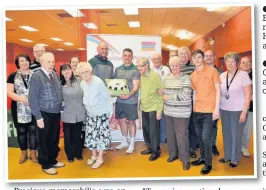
column 151, row 131
column 214, row 131
column 48, row 140
column 72, row 138
column 203, row 123
column 27, row 133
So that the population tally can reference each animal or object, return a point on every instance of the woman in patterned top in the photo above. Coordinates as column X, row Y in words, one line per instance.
column 177, row 110
column 17, row 90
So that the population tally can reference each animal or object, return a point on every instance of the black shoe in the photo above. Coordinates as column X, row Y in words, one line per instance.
column 197, row 145
column 154, row 157
column 146, row 152
column 172, row 159
column 206, row 169
column 233, row 165
column 222, row 160
column 215, row 151
column 198, row 162
column 79, row 158
column 70, row 160
column 192, row 154
column 186, row 165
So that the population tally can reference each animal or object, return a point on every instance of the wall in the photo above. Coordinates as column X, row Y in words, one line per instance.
column 235, row 36
column 165, row 57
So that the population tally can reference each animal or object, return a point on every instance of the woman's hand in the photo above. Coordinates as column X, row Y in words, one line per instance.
column 166, row 97
column 243, row 117
column 24, row 100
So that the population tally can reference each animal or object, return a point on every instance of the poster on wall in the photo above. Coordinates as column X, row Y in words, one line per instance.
column 142, row 46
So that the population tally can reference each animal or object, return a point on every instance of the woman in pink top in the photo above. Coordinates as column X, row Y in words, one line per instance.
column 235, row 100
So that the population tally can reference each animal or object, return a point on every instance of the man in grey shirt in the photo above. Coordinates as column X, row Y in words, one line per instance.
column 45, row 99
column 127, row 105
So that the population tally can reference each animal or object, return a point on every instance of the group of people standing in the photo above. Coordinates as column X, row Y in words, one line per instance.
column 180, row 106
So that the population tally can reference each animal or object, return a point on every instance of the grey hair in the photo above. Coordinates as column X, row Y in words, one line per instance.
column 232, row 55
column 82, row 66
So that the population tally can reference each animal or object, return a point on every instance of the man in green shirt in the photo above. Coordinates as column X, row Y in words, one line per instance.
column 152, row 106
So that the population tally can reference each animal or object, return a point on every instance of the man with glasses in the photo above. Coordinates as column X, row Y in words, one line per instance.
column 38, row 51
column 152, row 106
column 163, row 71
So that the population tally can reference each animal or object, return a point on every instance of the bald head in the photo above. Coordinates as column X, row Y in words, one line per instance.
column 156, row 60
column 209, row 57
column 245, row 64
column 102, row 49
column 38, row 50
column 47, row 61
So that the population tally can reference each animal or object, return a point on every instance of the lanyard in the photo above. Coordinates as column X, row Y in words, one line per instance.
column 228, row 85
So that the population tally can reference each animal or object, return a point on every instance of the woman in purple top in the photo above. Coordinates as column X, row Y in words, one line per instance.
column 235, row 100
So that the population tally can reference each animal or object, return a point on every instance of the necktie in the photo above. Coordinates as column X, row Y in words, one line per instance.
column 51, row 77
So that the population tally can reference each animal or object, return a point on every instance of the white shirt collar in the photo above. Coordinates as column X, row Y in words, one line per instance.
column 160, row 68
column 45, row 72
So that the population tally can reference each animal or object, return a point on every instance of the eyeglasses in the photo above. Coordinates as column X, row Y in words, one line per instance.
column 141, row 65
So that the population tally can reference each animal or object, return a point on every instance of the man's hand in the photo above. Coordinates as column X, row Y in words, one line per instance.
column 40, row 123
column 158, row 115
column 124, row 97
column 216, row 114
column 160, row 92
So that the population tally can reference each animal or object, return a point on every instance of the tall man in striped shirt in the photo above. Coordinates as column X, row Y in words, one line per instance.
column 163, row 71
column 188, row 68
